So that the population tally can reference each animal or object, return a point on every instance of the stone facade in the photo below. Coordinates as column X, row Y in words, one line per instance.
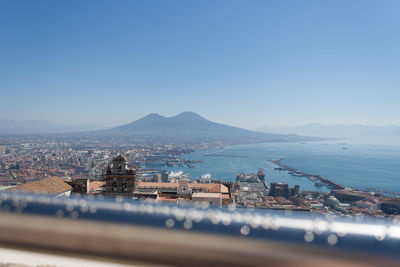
column 120, row 180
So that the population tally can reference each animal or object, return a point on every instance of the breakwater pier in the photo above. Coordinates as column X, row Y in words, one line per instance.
column 214, row 154
column 314, row 178
column 226, row 156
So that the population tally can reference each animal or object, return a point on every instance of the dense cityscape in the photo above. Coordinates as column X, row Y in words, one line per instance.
column 61, row 165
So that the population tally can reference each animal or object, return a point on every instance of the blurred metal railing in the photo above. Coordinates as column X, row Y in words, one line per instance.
column 129, row 231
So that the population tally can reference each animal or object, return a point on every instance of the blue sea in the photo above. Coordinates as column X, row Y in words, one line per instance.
column 352, row 165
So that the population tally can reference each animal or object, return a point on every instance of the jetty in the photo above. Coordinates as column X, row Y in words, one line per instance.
column 385, row 192
column 226, row 156
column 149, row 170
column 314, row 178
column 214, row 154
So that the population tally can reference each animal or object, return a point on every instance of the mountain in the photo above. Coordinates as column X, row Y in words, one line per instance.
column 189, row 126
column 356, row 132
column 40, row 127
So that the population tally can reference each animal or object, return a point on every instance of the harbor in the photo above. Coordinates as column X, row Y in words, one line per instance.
column 319, row 180
column 328, row 161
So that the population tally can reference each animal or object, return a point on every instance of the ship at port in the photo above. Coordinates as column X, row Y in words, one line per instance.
column 205, row 176
column 175, row 174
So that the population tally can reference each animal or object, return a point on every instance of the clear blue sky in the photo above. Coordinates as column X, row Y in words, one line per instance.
column 244, row 63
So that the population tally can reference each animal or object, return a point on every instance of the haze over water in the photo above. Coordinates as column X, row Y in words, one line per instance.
column 360, row 166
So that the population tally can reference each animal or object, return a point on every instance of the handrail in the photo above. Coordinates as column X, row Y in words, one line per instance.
column 120, row 229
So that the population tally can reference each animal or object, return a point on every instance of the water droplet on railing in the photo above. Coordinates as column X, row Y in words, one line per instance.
column 309, row 237
column 59, row 213
column 93, row 209
column 332, row 239
column 187, row 225
column 205, row 205
column 169, row 223
column 245, row 230
column 380, row 237
column 69, row 207
column 226, row 220
column 74, row 215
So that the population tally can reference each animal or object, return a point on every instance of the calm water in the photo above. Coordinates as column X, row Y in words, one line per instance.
column 360, row 166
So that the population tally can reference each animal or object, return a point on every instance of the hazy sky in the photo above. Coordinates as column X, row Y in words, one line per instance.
column 245, row 63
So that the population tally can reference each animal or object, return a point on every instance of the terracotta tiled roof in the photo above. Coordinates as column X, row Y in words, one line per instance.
column 52, row 185
column 206, row 195
column 157, row 185
column 218, row 188
column 212, row 188
column 95, row 185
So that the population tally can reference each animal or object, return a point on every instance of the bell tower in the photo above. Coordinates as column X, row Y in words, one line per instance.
column 120, row 180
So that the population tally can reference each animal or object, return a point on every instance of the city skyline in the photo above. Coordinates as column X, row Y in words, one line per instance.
column 276, row 63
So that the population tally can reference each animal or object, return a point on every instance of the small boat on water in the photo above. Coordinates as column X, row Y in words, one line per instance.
column 313, row 178
column 298, row 173
column 205, row 176
column 175, row 174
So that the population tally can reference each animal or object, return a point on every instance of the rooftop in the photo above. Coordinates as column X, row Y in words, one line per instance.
column 212, row 188
column 52, row 185
column 96, row 185
column 206, row 195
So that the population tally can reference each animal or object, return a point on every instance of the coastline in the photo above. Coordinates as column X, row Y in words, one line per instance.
column 353, row 168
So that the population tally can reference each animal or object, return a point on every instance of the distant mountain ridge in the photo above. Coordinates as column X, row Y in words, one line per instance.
column 184, row 127
column 355, row 131
column 41, row 127
column 190, row 126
